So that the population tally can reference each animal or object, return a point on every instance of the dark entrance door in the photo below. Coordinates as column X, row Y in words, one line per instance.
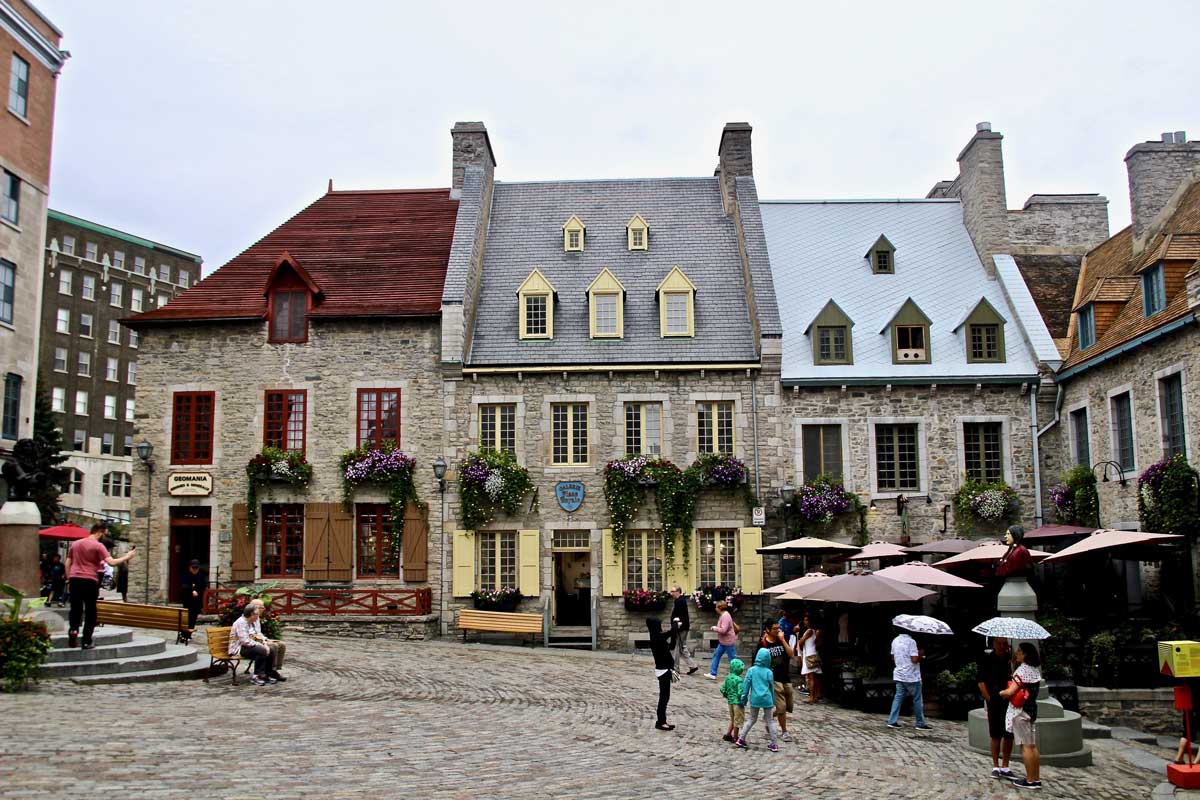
column 190, row 526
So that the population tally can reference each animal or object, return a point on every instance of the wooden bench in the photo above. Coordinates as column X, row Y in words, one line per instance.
column 218, row 654
column 137, row 615
column 499, row 622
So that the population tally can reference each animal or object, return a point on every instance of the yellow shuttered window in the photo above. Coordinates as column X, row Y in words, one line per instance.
column 464, row 564
column 749, row 540
column 611, row 575
column 530, row 556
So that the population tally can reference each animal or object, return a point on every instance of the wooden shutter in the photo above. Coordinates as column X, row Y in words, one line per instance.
column 529, row 562
column 464, row 564
column 675, row 573
column 415, row 560
column 610, row 575
column 340, row 543
column 749, row 540
column 318, row 532
column 242, row 568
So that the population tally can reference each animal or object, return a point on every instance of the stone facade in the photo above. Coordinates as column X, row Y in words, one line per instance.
column 1148, row 710
column 1156, row 171
column 1059, row 223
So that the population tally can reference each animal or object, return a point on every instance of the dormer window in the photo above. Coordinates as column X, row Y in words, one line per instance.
column 1154, row 290
column 910, row 343
column 291, row 294
column 831, row 336
column 676, row 305
column 984, row 332
column 910, row 335
column 1087, row 327
column 535, row 304
column 573, row 234
column 637, row 233
column 606, row 306
column 882, row 256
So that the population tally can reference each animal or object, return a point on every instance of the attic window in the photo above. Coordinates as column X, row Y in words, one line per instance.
column 910, row 344
column 573, row 235
column 882, row 256
column 535, row 307
column 883, row 261
column 676, row 305
column 1087, row 327
column 289, row 315
column 637, row 233
column 832, row 340
column 606, row 306
column 984, row 334
column 1154, row 290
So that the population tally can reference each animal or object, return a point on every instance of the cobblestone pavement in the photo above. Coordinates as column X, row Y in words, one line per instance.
column 368, row 719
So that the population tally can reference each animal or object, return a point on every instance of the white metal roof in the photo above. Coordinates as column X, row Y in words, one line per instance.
column 817, row 254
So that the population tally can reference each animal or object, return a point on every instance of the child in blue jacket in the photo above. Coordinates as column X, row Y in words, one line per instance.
column 758, row 690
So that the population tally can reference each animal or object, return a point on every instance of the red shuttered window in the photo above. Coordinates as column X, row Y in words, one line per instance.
column 192, row 428
column 283, row 419
column 283, row 541
column 378, row 556
column 378, row 416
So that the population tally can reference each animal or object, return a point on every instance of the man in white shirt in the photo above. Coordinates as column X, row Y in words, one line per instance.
column 277, row 647
column 244, row 642
column 907, row 674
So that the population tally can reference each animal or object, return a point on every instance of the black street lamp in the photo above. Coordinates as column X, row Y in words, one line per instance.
column 145, row 451
column 439, row 472
column 1114, row 464
column 787, row 493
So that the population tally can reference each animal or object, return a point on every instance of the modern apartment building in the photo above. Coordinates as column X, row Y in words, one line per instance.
column 95, row 276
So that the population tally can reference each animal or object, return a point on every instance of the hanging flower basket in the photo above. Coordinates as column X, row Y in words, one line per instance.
column 505, row 599
column 984, row 502
column 820, row 501
column 718, row 469
column 1167, row 497
column 273, row 465
column 1075, row 499
column 388, row 466
column 625, row 483
column 644, row 600
column 491, row 479
column 707, row 597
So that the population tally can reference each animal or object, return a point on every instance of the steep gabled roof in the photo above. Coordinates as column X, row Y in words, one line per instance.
column 366, row 253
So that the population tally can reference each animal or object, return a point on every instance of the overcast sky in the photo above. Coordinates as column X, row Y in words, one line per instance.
column 206, row 124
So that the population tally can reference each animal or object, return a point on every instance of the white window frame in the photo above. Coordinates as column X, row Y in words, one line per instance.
column 116, row 294
column 114, row 332
column 1071, row 439
column 618, row 410
column 62, row 321
column 129, row 410
column 81, row 401
column 922, row 457
column 110, row 406
column 131, row 373
column 1167, row 372
column 68, row 245
column 65, row 354
column 91, row 326
column 58, row 399
column 112, row 369
column 1113, row 451
column 91, row 251
column 118, row 259
column 66, row 280
column 139, row 265
column 137, row 299
column 88, row 287
column 547, row 427
column 848, row 478
column 83, row 364
column 1005, row 444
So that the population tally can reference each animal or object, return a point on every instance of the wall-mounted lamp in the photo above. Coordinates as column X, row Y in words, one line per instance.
column 787, row 493
column 1106, row 465
column 439, row 472
column 929, row 499
column 872, row 506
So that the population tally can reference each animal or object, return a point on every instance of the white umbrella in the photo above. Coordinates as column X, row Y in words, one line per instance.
column 1012, row 628
column 787, row 586
column 919, row 623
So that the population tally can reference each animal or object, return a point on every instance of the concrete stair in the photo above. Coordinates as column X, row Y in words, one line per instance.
column 123, row 656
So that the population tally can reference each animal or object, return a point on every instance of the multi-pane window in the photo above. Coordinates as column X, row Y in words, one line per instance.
column 163, row 300
column 60, row 359
column 677, row 313
column 910, row 343
column 116, row 294
column 644, row 560
column 10, row 200
column 68, row 245
column 717, row 557
column 74, row 481
column 62, row 321
column 643, row 429
column 65, row 281
column 10, row 421
column 535, row 314
column 1121, row 410
column 831, row 344
column 714, row 427
column 118, row 259
column 378, row 416
column 116, row 484
column 81, row 402
column 883, row 261
column 1087, row 327
column 822, row 451
column 18, row 87
column 164, row 273
column 184, row 277
column 289, row 315
column 985, row 342
column 192, row 428
column 283, row 540
column 498, row 427
column 497, row 560
column 85, row 364
column 897, row 459
column 136, row 298
column 637, row 238
column 89, row 287
column 283, row 421
column 91, row 251
column 110, row 406
column 85, row 325
column 378, row 556
column 1081, row 445
column 569, row 423
column 114, row 332
column 79, row 442
column 982, row 443
column 573, row 240
column 8, row 288
column 131, row 373
column 106, row 444
column 134, row 338
column 606, row 314
column 1170, row 394
column 129, row 410
column 128, row 445
column 1154, row 290
column 139, row 265
column 112, row 369
column 58, row 399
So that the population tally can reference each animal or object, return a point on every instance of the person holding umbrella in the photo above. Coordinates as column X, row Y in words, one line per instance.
column 907, row 674
column 994, row 668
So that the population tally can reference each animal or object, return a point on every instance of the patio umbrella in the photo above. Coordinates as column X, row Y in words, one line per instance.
column 806, row 546
column 68, row 530
column 1055, row 532
column 1012, row 628
column 984, row 552
column 787, row 586
column 860, row 586
column 922, row 574
column 878, row 550
column 944, row 546
column 919, row 623
column 1105, row 539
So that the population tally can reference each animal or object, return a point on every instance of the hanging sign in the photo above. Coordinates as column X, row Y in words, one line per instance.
column 189, row 484
column 570, row 495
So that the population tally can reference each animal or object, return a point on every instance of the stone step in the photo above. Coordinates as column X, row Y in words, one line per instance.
column 171, row 656
column 193, row 669
column 137, row 646
column 101, row 638
column 1094, row 730
column 1130, row 735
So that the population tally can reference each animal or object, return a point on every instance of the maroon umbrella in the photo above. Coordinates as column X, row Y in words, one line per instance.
column 948, row 547
column 860, row 586
column 66, row 531
column 1112, row 540
column 1051, row 532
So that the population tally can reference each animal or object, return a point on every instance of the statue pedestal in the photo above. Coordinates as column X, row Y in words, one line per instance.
column 1016, row 599
column 19, row 524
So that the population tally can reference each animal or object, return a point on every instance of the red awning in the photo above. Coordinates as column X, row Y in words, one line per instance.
column 67, row 531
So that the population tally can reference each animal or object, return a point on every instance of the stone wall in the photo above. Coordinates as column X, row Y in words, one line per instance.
column 1067, row 223
column 236, row 361
column 1148, row 710
column 412, row 629
column 22, row 247
column 1156, row 170
column 980, row 186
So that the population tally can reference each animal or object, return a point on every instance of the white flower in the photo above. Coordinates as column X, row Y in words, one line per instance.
column 493, row 484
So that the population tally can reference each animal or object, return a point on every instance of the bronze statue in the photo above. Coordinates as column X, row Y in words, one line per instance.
column 23, row 473
column 1017, row 561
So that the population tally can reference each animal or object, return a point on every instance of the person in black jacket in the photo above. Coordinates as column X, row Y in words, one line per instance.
column 680, row 623
column 195, row 581
column 661, row 646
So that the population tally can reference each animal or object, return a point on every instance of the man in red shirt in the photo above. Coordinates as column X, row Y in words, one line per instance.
column 85, row 559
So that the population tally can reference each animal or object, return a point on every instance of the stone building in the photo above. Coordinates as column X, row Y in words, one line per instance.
column 30, row 60
column 88, row 362
column 589, row 320
column 320, row 337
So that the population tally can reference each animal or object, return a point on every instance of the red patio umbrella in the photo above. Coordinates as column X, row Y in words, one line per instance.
column 1112, row 540
column 69, row 531
column 984, row 553
column 1050, row 532
column 949, row 547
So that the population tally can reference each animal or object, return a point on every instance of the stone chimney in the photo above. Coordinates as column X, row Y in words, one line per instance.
column 471, row 148
column 1192, row 284
column 734, row 159
column 981, row 190
column 1156, row 170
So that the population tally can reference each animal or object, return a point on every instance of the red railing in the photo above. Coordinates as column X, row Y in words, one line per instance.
column 360, row 602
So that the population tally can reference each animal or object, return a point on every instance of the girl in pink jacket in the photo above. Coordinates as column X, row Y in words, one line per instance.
column 727, row 631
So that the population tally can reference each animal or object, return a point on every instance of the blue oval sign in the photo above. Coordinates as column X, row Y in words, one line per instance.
column 570, row 495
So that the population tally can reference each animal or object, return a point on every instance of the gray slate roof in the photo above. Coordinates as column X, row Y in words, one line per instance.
column 688, row 228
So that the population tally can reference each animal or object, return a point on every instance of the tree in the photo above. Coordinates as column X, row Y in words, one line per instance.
column 50, row 442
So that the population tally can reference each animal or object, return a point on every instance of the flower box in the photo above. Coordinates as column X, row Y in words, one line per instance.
column 707, row 597
column 645, row 601
column 500, row 600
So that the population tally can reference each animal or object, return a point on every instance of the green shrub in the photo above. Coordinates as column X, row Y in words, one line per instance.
column 24, row 643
